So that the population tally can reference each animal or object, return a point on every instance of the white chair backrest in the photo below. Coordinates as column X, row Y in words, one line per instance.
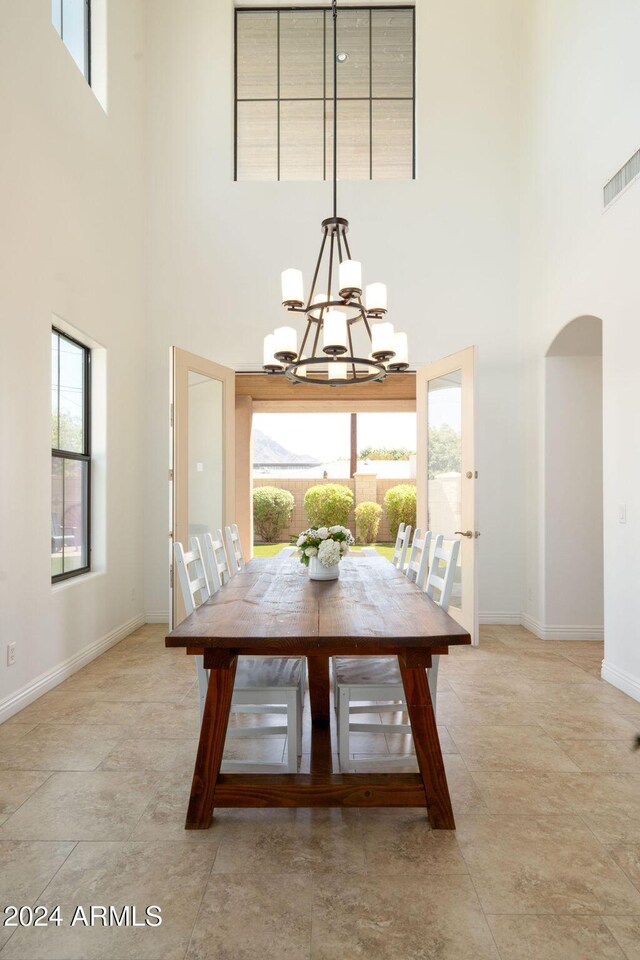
column 215, row 553
column 401, row 547
column 418, row 565
column 234, row 549
column 191, row 574
column 439, row 579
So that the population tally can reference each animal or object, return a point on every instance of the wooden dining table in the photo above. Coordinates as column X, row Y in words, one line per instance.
column 273, row 608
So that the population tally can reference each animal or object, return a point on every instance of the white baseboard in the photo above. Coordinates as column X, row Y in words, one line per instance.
column 508, row 618
column 571, row 632
column 156, row 616
column 621, row 679
column 561, row 632
column 47, row 681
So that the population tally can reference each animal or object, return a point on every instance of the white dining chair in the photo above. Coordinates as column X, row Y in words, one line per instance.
column 373, row 684
column 216, row 560
column 397, row 550
column 401, row 546
column 285, row 552
column 263, row 685
column 234, row 549
column 418, row 565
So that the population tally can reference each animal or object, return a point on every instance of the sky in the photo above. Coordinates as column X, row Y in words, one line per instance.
column 327, row 435
column 71, row 13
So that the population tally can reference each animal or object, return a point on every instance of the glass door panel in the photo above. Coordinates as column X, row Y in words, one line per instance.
column 206, row 455
column 446, row 476
column 202, row 470
column 444, row 463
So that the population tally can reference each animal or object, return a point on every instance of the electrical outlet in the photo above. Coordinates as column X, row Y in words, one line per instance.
column 11, row 654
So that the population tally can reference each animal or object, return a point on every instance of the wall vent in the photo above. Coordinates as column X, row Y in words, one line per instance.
column 622, row 179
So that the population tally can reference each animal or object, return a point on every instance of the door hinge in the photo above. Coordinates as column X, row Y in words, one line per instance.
column 170, row 474
column 171, row 576
column 171, row 414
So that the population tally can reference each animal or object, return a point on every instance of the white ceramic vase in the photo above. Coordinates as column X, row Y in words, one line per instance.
column 318, row 571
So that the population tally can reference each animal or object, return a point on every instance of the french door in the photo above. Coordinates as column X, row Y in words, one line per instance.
column 202, row 474
column 446, row 472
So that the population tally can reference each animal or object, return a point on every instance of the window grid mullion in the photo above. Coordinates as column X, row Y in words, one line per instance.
column 278, row 99
column 413, row 98
column 370, row 95
column 58, row 383
column 324, row 95
column 278, row 87
column 70, row 455
column 87, row 41
column 312, row 99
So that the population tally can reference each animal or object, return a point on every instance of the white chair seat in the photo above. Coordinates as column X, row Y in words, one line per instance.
column 260, row 672
column 366, row 670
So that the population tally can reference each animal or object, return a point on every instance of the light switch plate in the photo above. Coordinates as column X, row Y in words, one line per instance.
column 622, row 513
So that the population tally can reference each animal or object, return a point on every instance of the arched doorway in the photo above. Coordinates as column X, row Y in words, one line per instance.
column 573, row 536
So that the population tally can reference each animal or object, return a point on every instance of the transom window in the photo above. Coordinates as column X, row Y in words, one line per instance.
column 284, row 91
column 72, row 20
column 70, row 456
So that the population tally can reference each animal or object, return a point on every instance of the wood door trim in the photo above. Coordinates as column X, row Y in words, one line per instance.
column 334, row 406
column 261, row 387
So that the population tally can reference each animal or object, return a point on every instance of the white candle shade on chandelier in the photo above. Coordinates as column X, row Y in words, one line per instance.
column 337, row 316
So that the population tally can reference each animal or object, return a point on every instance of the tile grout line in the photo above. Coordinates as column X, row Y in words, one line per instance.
column 204, row 890
column 484, row 913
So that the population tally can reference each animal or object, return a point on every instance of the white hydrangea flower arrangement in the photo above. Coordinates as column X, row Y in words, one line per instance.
column 328, row 544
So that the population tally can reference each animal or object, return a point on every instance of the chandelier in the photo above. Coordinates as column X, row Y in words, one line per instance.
column 341, row 312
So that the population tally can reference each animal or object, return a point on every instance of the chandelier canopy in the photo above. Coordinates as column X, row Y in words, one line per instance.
column 340, row 313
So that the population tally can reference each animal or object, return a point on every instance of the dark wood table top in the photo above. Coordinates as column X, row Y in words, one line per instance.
column 272, row 606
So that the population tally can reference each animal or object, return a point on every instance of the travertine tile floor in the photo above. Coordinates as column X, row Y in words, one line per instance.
column 545, row 862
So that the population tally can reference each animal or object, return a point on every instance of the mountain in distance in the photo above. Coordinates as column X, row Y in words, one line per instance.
column 267, row 452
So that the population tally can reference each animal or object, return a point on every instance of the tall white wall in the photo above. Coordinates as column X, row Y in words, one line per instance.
column 574, row 589
column 580, row 124
column 70, row 245
column 446, row 244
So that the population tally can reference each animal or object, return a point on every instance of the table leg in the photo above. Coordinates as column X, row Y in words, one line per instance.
column 222, row 667
column 427, row 746
column 320, row 714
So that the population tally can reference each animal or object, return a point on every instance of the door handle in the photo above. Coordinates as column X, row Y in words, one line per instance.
column 465, row 533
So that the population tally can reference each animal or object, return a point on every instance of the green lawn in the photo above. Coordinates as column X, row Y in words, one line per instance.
column 270, row 549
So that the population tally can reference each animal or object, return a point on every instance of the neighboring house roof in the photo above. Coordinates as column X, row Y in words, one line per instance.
column 266, row 452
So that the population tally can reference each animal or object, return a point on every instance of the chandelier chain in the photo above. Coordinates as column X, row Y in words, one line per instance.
column 335, row 312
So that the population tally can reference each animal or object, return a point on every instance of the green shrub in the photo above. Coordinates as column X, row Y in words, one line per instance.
column 272, row 509
column 400, row 504
column 367, row 521
column 328, row 504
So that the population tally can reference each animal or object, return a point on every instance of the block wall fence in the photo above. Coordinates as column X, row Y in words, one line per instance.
column 365, row 487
